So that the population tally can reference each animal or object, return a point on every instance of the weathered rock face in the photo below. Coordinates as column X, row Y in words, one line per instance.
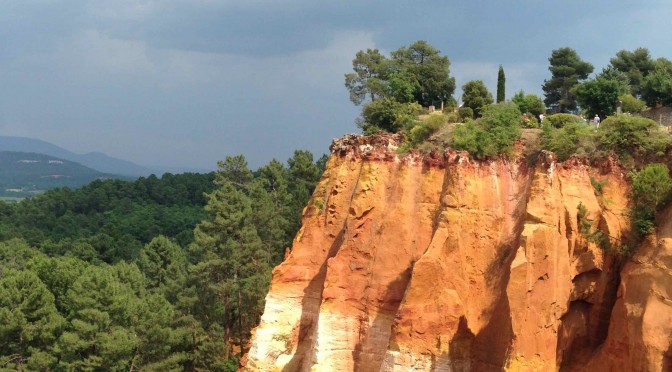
column 640, row 332
column 442, row 263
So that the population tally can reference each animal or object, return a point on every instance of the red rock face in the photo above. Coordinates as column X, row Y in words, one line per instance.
column 443, row 263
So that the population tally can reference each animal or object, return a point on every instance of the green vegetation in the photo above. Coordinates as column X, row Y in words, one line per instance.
column 571, row 139
column 629, row 137
column 657, row 86
column 501, row 85
column 397, row 88
column 651, row 189
column 475, row 96
column 158, row 274
column 465, row 114
column 600, row 96
column 636, row 65
column 632, row 137
column 494, row 133
column 560, row 120
column 420, row 131
column 598, row 185
column 417, row 73
column 567, row 70
column 529, row 104
column 387, row 114
column 631, row 104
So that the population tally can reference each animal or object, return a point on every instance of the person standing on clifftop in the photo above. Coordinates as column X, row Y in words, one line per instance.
column 597, row 121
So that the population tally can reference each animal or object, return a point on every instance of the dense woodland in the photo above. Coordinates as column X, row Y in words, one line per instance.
column 159, row 274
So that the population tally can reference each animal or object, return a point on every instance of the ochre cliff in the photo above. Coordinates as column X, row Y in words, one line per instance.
column 443, row 263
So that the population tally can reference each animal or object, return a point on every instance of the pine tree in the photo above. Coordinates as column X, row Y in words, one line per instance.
column 164, row 264
column 271, row 202
column 101, row 314
column 29, row 322
column 501, row 82
column 304, row 175
column 230, row 271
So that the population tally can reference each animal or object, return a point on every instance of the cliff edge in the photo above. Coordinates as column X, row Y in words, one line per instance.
column 442, row 263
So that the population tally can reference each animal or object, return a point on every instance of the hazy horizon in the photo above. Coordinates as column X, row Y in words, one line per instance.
column 184, row 84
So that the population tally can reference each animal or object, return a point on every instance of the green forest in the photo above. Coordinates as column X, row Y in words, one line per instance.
column 157, row 274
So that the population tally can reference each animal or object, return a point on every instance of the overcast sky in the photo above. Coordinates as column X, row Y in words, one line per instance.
column 187, row 82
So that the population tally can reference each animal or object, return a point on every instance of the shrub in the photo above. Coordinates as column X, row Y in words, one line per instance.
column 465, row 113
column 387, row 114
column 475, row 140
column 421, row 131
column 452, row 117
column 494, row 133
column 651, row 189
column 435, row 120
column 633, row 137
column 530, row 103
column 598, row 185
column 529, row 121
column 571, row 139
column 631, row 104
column 560, row 120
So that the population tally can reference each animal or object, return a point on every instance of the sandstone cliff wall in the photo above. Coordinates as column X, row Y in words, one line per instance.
column 441, row 263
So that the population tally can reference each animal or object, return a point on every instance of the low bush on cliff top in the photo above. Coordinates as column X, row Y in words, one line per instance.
column 388, row 115
column 632, row 137
column 635, row 140
column 494, row 133
column 651, row 188
column 560, row 120
column 571, row 139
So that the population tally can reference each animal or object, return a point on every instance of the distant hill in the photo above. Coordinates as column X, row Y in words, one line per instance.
column 23, row 173
column 94, row 160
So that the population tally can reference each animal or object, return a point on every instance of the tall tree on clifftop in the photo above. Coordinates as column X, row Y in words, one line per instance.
column 636, row 65
column 657, row 86
column 369, row 76
column 428, row 70
column 501, row 81
column 567, row 69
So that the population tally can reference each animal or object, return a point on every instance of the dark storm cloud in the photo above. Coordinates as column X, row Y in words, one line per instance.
column 187, row 82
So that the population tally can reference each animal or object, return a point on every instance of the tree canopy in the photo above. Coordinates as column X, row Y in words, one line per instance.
column 475, row 95
column 110, row 276
column 636, row 65
column 416, row 73
column 529, row 103
column 600, row 96
column 567, row 70
column 369, row 77
column 657, row 86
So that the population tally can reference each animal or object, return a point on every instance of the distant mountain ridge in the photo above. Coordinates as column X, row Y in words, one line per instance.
column 95, row 160
column 25, row 173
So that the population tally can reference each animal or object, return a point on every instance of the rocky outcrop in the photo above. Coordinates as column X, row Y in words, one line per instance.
column 439, row 262
column 640, row 330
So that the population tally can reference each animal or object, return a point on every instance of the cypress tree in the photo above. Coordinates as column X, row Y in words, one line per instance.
column 501, row 82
